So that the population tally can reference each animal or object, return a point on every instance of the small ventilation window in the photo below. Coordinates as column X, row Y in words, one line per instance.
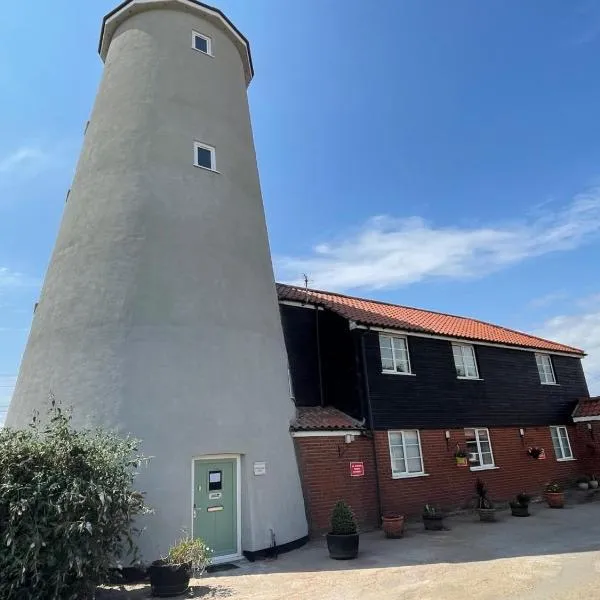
column 202, row 43
column 204, row 156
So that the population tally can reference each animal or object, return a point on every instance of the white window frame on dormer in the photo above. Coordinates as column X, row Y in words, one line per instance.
column 462, row 354
column 399, row 347
column 213, row 160
column 208, row 40
column 543, row 371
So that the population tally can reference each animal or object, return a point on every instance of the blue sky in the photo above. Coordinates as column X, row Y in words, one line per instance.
column 438, row 154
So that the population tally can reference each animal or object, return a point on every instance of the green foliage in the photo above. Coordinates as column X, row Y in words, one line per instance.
column 431, row 511
column 482, row 495
column 66, row 508
column 554, row 488
column 523, row 499
column 343, row 521
column 190, row 551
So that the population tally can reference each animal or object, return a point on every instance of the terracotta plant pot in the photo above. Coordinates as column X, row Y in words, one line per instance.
column 393, row 525
column 461, row 461
column 555, row 499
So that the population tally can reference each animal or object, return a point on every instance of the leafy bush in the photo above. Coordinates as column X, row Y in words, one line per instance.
column 482, row 495
column 343, row 521
column 66, row 508
column 523, row 499
column 430, row 511
column 554, row 488
column 190, row 551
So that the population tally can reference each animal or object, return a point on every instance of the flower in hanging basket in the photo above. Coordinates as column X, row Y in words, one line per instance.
column 460, row 457
column 534, row 452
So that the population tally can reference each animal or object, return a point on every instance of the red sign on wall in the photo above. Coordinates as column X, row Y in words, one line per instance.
column 357, row 469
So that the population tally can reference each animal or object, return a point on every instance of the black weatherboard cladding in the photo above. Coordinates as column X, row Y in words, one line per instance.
column 509, row 395
column 333, row 349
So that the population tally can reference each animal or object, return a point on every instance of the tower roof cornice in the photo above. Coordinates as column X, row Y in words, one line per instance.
column 130, row 7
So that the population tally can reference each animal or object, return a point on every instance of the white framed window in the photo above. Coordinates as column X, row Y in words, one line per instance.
column 545, row 369
column 394, row 354
column 560, row 441
column 204, row 156
column 464, row 361
column 405, row 453
column 202, row 43
column 479, row 448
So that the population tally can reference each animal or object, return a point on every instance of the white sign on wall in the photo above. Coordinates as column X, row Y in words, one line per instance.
column 260, row 468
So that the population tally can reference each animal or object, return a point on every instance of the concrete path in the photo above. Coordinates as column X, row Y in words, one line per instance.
column 554, row 554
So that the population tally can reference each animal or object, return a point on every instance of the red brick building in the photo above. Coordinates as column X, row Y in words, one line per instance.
column 386, row 395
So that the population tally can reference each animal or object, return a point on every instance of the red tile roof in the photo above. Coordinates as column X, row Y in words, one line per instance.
column 588, row 407
column 382, row 314
column 323, row 418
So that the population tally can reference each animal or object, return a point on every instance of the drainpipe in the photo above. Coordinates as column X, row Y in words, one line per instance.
column 370, row 418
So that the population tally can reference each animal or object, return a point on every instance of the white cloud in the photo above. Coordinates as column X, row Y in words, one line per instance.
column 581, row 330
column 22, row 158
column 548, row 299
column 391, row 252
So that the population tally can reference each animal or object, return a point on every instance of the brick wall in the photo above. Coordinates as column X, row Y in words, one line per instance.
column 324, row 464
column 449, row 486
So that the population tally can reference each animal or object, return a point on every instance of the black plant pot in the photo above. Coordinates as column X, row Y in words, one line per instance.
column 519, row 510
column 342, row 547
column 433, row 522
column 169, row 580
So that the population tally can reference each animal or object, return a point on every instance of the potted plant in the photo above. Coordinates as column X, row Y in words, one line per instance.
column 555, row 495
column 461, row 457
column 534, row 452
column 170, row 576
column 593, row 482
column 520, row 505
column 433, row 518
column 485, row 508
column 342, row 540
column 583, row 483
column 393, row 525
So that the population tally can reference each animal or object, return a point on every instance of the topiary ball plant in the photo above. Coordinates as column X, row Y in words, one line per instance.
column 343, row 521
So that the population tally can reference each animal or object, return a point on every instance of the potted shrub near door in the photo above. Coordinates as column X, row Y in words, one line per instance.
column 555, row 495
column 433, row 518
column 393, row 525
column 342, row 540
column 520, row 505
column 485, row 508
column 170, row 576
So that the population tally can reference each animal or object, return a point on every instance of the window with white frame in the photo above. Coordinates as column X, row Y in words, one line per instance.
column 394, row 354
column 479, row 448
column 464, row 361
column 202, row 43
column 405, row 453
column 560, row 441
column 204, row 156
column 544, row 365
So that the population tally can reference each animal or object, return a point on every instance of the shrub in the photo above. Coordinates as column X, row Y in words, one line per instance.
column 66, row 508
column 190, row 551
column 343, row 521
column 431, row 511
column 482, row 495
column 554, row 488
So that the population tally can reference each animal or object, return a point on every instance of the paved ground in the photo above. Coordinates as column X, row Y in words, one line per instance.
column 554, row 554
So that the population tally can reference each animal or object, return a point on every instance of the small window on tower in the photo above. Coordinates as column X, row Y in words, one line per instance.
column 204, row 156
column 202, row 43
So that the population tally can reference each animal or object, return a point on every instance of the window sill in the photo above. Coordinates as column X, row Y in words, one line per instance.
column 411, row 476
column 202, row 52
column 469, row 378
column 208, row 169
column 543, row 383
column 565, row 459
column 398, row 373
column 484, row 468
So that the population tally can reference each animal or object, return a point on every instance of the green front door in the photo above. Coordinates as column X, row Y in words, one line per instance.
column 215, row 504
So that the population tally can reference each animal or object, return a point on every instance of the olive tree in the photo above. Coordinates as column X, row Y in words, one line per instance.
column 67, row 507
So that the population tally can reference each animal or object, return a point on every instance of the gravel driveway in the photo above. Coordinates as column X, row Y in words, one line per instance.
column 552, row 554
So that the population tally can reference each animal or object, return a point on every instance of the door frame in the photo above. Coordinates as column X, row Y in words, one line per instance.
column 238, row 464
